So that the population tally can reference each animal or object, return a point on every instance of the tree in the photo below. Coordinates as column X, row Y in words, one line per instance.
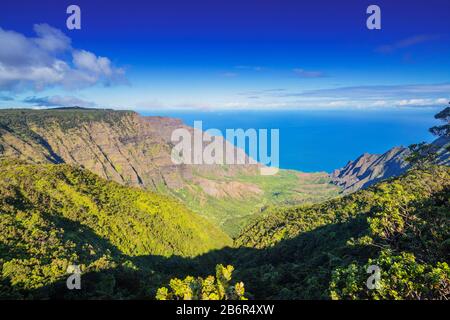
column 422, row 154
column 210, row 288
column 442, row 130
column 402, row 277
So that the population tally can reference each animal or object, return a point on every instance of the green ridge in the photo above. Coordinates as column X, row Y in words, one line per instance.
column 52, row 216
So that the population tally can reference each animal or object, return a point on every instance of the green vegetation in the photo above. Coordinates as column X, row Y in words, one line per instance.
column 211, row 288
column 403, row 277
column 443, row 129
column 232, row 213
column 121, row 146
column 129, row 242
column 424, row 154
column 322, row 251
column 67, row 118
column 53, row 216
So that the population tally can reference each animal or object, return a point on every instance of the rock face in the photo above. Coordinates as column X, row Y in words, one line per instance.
column 371, row 168
column 443, row 149
column 131, row 150
column 136, row 151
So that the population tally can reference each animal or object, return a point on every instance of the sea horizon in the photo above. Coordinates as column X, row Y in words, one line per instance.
column 320, row 140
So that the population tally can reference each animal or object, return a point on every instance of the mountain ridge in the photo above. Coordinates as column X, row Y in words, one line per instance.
column 135, row 150
column 322, row 251
column 369, row 169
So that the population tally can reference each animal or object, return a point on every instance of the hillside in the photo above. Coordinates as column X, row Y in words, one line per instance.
column 136, row 151
column 322, row 251
column 368, row 169
column 130, row 242
column 52, row 216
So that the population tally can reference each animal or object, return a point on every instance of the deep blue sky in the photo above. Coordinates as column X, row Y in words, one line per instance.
column 237, row 54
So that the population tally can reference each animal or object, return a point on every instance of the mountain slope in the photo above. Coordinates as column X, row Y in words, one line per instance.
column 136, row 151
column 55, row 215
column 135, row 221
column 321, row 251
column 371, row 168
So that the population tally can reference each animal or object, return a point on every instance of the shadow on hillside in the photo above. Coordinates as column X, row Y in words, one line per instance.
column 294, row 268
column 309, row 250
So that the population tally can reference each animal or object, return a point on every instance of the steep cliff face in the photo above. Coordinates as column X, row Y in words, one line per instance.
column 371, row 168
column 119, row 146
column 136, row 151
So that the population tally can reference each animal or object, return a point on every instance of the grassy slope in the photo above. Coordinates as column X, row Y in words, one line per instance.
column 229, row 213
column 55, row 215
column 323, row 250
column 52, row 216
column 286, row 187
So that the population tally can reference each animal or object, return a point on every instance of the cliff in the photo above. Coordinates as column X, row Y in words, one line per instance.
column 133, row 150
column 371, row 168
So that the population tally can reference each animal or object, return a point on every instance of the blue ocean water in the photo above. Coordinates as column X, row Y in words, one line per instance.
column 312, row 141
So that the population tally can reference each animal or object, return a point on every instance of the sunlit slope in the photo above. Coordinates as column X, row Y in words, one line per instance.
column 53, row 215
column 401, row 225
column 132, row 150
column 232, row 202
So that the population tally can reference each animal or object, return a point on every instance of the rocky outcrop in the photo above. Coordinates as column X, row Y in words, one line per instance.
column 371, row 168
column 136, row 151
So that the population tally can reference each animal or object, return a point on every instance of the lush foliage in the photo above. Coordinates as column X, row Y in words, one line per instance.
column 285, row 188
column 401, row 277
column 53, row 216
column 323, row 251
column 56, row 215
column 67, row 118
column 210, row 288
column 129, row 242
column 424, row 154
column 444, row 129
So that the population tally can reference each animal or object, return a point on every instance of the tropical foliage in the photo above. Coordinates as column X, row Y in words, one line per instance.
column 210, row 288
column 53, row 216
column 423, row 154
column 323, row 251
column 128, row 243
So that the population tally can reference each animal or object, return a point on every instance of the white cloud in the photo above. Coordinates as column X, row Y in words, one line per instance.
column 50, row 39
column 229, row 74
column 88, row 61
column 58, row 101
column 376, row 91
column 421, row 102
column 44, row 61
column 308, row 73
column 251, row 68
column 408, row 42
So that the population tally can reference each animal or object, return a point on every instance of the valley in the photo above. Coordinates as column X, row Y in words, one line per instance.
column 96, row 189
column 136, row 151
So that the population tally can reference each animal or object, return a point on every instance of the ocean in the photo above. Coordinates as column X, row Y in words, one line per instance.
column 312, row 141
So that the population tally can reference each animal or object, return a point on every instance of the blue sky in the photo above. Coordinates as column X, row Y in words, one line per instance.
column 247, row 54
